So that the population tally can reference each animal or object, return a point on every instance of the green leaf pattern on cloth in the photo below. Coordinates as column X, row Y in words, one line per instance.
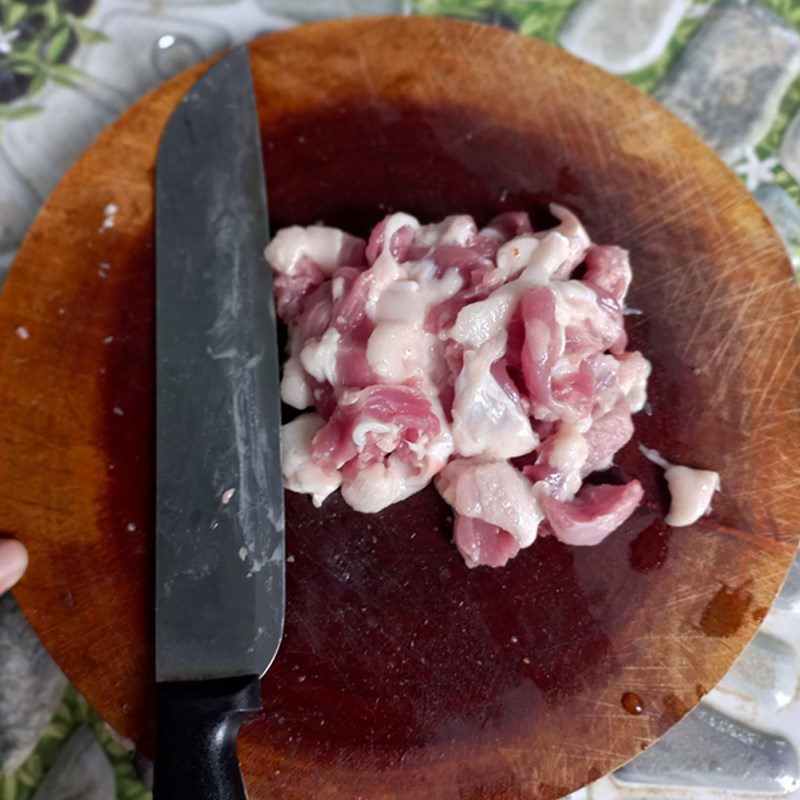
column 73, row 712
column 36, row 40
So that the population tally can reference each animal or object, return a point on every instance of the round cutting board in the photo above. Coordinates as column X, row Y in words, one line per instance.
column 403, row 674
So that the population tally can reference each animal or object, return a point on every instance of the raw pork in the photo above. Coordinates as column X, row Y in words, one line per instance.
column 472, row 356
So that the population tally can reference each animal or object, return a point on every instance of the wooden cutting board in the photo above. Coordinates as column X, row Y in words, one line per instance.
column 403, row 674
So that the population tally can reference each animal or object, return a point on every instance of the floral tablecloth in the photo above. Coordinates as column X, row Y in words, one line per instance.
column 730, row 68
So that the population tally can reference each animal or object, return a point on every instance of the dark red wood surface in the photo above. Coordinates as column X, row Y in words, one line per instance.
column 402, row 673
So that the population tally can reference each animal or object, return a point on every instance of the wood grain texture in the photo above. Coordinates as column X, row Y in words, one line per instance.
column 402, row 674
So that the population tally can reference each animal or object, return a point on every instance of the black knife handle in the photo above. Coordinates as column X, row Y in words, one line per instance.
column 198, row 723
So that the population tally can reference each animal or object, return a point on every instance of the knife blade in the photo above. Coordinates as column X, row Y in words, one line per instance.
column 219, row 494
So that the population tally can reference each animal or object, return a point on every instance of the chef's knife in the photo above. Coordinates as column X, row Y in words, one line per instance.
column 219, row 494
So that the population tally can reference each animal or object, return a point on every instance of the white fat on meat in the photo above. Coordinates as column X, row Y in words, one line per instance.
column 290, row 246
column 478, row 322
column 458, row 229
column 394, row 351
column 387, row 482
column 634, row 372
column 494, row 492
column 300, row 473
column 377, row 486
column 337, row 288
column 385, row 434
column 410, row 300
column 568, row 455
column 402, row 302
column 579, row 241
column 386, row 269
column 691, row 490
column 514, row 256
column 318, row 356
column 486, row 420
column 295, row 391
column 576, row 303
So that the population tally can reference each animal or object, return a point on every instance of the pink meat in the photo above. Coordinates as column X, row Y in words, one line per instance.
column 407, row 408
column 441, row 316
column 515, row 339
column 454, row 361
column 471, row 264
column 603, row 330
column 495, row 493
column 608, row 270
column 317, row 312
column 543, row 340
column 608, row 434
column 483, row 544
column 291, row 290
column 558, row 352
column 353, row 367
column 401, row 242
column 507, row 226
column 573, row 392
column 544, row 343
column 350, row 312
column 351, row 320
column 347, row 313
column 324, row 397
column 352, row 253
column 561, row 366
column 595, row 512
column 447, row 396
column 510, row 382
column 485, row 246
column 606, row 370
column 541, row 469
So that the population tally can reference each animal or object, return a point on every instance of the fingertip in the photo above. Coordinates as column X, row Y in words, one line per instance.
column 13, row 563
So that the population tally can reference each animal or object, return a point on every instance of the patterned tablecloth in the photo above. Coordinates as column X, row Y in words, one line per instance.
column 730, row 68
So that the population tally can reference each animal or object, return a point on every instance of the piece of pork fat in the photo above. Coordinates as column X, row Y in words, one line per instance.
column 482, row 320
column 467, row 356
column 579, row 241
column 487, row 419
column 373, row 422
column 392, row 434
column 483, row 544
column 559, row 462
column 595, row 512
column 493, row 492
column 691, row 490
column 301, row 472
column 303, row 258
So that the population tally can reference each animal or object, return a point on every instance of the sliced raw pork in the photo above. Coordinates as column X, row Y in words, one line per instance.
column 467, row 355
